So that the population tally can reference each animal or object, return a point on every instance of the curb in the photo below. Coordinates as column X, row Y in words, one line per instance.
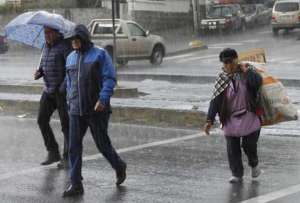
column 190, row 79
column 145, row 116
column 120, row 92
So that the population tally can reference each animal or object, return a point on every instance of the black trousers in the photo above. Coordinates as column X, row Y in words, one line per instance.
column 234, row 152
column 98, row 124
column 48, row 104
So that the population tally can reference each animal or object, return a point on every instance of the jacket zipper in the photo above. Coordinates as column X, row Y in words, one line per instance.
column 80, row 109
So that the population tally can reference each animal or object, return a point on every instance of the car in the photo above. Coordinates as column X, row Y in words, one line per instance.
column 133, row 42
column 3, row 44
column 285, row 15
column 257, row 14
column 224, row 17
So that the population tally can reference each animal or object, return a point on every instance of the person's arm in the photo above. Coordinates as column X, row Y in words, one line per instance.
column 108, row 82
column 212, row 112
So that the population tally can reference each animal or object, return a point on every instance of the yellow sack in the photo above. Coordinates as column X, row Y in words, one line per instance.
column 276, row 105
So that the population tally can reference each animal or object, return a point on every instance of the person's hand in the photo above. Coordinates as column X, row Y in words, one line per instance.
column 99, row 107
column 37, row 75
column 207, row 127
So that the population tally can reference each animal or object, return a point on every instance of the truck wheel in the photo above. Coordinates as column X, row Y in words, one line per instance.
column 157, row 55
column 275, row 31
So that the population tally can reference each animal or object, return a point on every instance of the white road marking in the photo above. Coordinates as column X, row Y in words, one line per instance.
column 227, row 44
column 280, row 59
column 250, row 41
column 197, row 58
column 178, row 56
column 274, row 195
column 265, row 32
column 97, row 156
column 216, row 47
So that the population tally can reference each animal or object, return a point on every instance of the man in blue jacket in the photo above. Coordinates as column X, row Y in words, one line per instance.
column 52, row 69
column 91, row 78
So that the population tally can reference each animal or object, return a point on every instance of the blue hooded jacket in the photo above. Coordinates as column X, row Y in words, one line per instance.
column 90, row 76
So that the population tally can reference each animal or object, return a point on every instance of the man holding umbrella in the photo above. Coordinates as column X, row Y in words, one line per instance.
column 47, row 31
column 52, row 69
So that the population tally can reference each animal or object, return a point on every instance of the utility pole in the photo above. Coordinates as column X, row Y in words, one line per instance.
column 113, row 7
column 195, row 5
column 118, row 9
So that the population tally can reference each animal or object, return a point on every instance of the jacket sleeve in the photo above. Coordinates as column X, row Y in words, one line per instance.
column 213, row 108
column 108, row 76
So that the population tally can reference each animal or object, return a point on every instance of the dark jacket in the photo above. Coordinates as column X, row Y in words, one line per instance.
column 219, row 104
column 90, row 77
column 52, row 66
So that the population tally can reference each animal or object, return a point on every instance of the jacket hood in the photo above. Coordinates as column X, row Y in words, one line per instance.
column 82, row 33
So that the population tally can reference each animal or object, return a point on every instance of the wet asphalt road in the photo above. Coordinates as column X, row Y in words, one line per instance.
column 164, row 165
column 191, row 168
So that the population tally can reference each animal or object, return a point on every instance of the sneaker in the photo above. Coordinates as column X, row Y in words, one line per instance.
column 63, row 164
column 235, row 179
column 255, row 172
column 73, row 190
column 51, row 158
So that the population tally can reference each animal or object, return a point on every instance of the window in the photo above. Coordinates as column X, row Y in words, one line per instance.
column 101, row 29
column 135, row 30
column 105, row 28
column 287, row 7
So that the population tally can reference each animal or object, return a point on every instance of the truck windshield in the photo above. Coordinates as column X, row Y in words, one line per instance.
column 219, row 11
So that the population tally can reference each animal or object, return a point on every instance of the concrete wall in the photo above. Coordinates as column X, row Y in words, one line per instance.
column 150, row 5
column 83, row 16
column 157, row 21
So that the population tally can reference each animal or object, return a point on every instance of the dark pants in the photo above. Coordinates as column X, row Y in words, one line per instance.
column 48, row 104
column 98, row 124
column 249, row 144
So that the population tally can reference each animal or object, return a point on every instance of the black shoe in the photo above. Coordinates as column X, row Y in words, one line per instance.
column 73, row 190
column 63, row 164
column 51, row 158
column 121, row 174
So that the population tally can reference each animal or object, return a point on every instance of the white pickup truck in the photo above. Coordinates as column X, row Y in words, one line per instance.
column 132, row 41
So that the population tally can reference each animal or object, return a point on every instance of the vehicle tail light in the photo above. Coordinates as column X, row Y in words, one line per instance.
column 273, row 18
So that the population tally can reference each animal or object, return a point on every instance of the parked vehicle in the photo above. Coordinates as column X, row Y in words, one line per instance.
column 132, row 41
column 285, row 15
column 257, row 14
column 224, row 17
column 3, row 44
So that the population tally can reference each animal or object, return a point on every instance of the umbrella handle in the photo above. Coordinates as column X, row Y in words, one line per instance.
column 40, row 61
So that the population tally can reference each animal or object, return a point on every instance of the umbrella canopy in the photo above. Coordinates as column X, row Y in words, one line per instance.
column 28, row 28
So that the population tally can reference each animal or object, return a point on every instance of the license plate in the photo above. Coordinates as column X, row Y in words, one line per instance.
column 212, row 27
column 286, row 18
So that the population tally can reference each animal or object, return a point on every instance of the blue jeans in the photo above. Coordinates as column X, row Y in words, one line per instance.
column 98, row 124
